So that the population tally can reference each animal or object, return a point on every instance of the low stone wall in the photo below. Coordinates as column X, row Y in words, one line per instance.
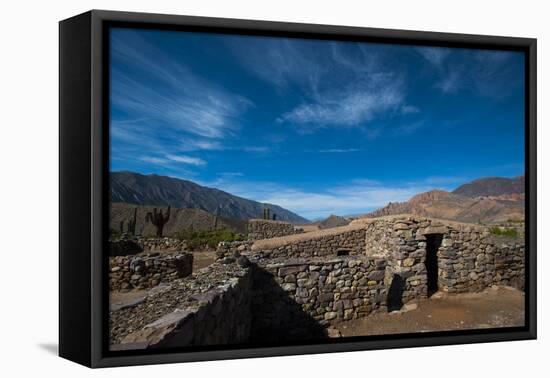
column 161, row 244
column 211, row 307
column 133, row 245
column 294, row 298
column 148, row 270
column 473, row 261
column 234, row 248
column 348, row 240
column 266, row 229
column 124, row 247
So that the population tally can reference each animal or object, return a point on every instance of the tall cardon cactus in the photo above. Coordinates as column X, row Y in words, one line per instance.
column 158, row 220
column 132, row 223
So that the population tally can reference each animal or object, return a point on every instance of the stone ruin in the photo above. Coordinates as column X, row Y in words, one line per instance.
column 295, row 287
column 148, row 270
column 266, row 229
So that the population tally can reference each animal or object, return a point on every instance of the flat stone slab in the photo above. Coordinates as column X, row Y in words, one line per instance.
column 128, row 303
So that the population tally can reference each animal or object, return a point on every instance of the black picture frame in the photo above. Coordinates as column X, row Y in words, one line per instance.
column 83, row 180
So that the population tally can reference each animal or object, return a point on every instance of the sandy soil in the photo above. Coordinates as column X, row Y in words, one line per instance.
column 202, row 259
column 495, row 307
column 309, row 227
column 122, row 297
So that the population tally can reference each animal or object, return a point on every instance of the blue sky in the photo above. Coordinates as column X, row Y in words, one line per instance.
column 318, row 127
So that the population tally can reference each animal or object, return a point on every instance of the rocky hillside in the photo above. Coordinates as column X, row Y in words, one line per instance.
column 154, row 190
column 479, row 201
column 333, row 221
column 492, row 187
column 180, row 219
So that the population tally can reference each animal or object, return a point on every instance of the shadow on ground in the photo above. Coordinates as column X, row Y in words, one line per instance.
column 51, row 348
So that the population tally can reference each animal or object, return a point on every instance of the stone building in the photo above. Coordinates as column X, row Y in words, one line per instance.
column 295, row 286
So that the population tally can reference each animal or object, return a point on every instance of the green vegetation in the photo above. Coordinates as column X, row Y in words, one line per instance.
column 200, row 239
column 510, row 232
column 114, row 234
column 514, row 220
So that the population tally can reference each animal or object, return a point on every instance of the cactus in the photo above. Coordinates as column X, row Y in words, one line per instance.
column 274, row 216
column 158, row 219
column 216, row 214
column 266, row 214
column 132, row 223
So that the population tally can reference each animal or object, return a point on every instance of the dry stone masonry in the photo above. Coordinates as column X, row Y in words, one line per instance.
column 326, row 290
column 148, row 270
column 134, row 245
column 347, row 240
column 265, row 229
column 210, row 307
column 294, row 287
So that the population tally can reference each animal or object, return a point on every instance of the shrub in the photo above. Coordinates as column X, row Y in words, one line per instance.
column 200, row 239
column 512, row 220
column 114, row 234
column 510, row 232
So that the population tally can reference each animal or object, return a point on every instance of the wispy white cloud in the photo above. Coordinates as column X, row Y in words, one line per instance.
column 154, row 160
column 345, row 85
column 340, row 150
column 484, row 72
column 353, row 197
column 189, row 144
column 258, row 149
column 450, row 83
column 348, row 107
column 164, row 91
column 409, row 109
column 186, row 159
column 434, row 55
column 408, row 128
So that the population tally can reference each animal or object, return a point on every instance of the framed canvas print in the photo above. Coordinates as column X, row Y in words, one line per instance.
column 233, row 188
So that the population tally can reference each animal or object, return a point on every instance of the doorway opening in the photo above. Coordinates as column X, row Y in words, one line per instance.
column 395, row 293
column 433, row 242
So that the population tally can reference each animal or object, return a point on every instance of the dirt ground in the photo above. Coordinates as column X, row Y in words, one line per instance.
column 309, row 227
column 202, row 259
column 495, row 307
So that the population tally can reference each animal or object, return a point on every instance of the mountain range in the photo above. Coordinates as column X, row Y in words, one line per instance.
column 487, row 200
column 154, row 190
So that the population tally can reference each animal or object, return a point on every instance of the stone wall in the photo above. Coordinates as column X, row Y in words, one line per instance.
column 293, row 298
column 469, row 257
column 266, row 229
column 211, row 307
column 148, row 270
column 346, row 240
column 294, row 287
column 124, row 247
column 233, row 248
column 161, row 244
column 472, row 260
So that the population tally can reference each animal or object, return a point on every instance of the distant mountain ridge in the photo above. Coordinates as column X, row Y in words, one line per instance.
column 333, row 221
column 493, row 199
column 492, row 187
column 155, row 190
